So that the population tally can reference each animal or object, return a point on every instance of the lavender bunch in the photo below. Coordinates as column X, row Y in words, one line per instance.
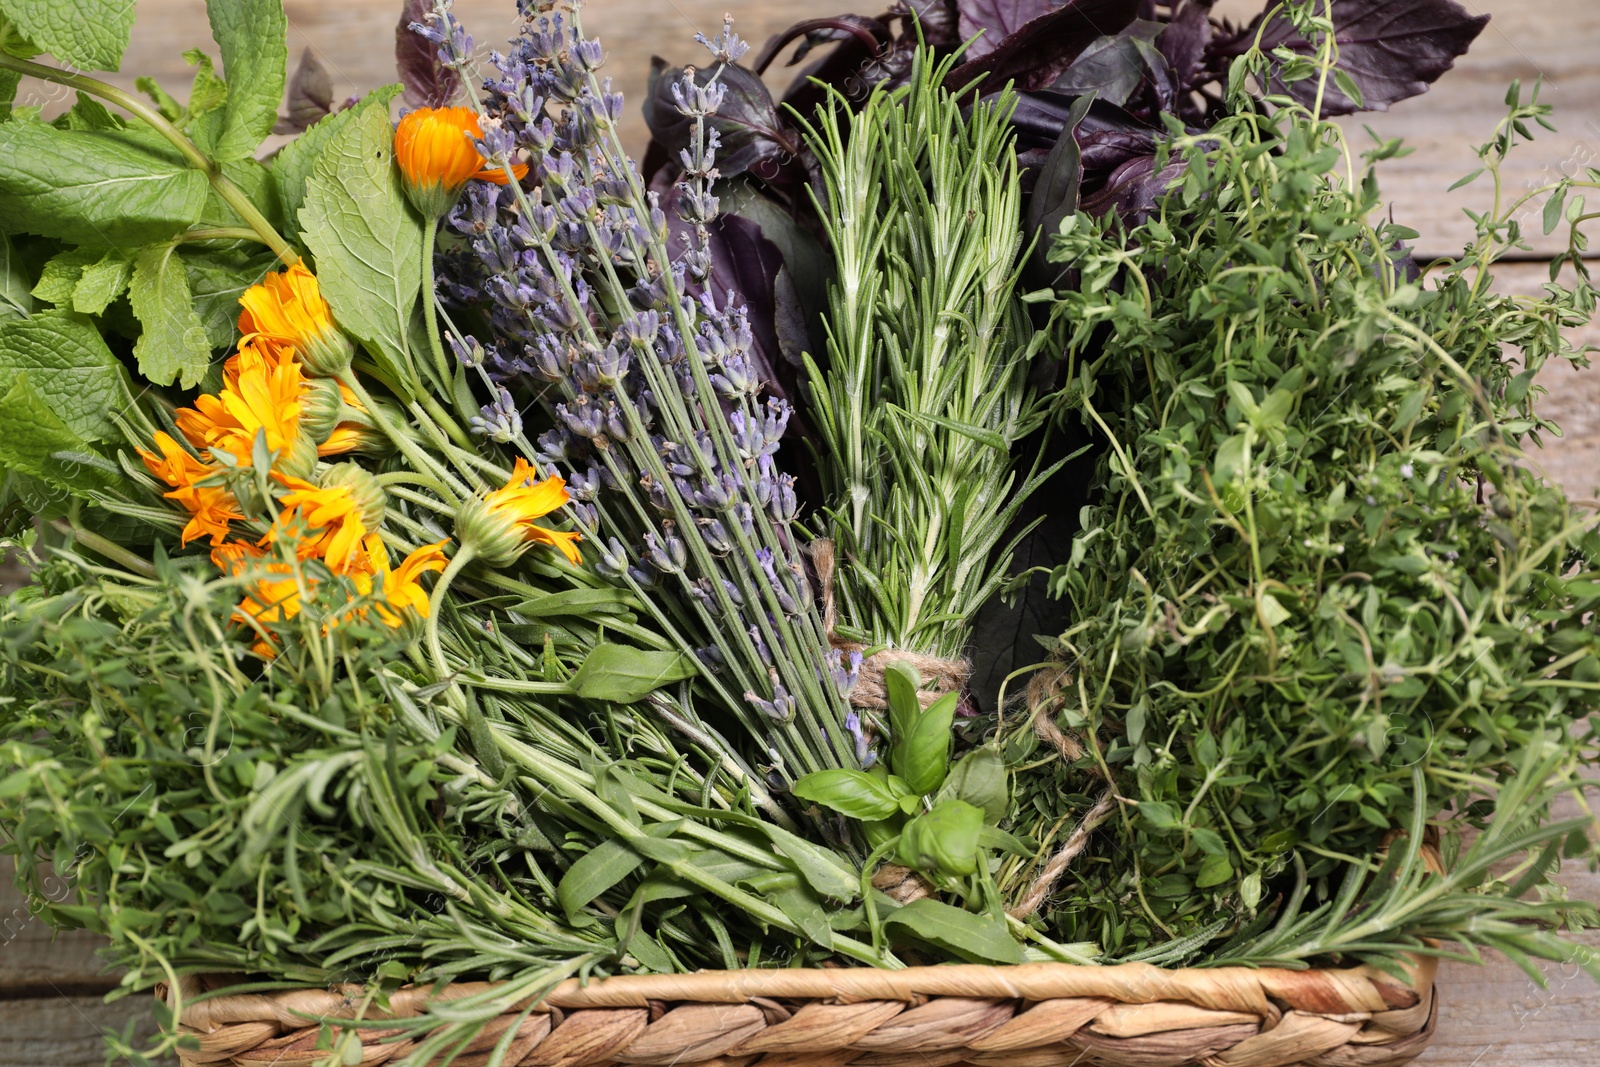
column 645, row 376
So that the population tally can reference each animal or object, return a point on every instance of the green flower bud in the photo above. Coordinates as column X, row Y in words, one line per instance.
column 364, row 489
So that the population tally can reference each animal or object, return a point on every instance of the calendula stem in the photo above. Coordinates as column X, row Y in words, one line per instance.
column 436, row 607
column 420, row 460
column 429, row 315
column 230, row 193
column 109, row 549
column 221, row 233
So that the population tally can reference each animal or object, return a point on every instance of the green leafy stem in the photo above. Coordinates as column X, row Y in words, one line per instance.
column 230, row 193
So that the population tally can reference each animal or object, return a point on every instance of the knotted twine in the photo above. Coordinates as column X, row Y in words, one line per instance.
column 950, row 676
column 940, row 675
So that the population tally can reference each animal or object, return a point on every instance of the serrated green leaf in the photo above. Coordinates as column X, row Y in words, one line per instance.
column 36, row 442
column 98, row 189
column 69, row 368
column 366, row 239
column 292, row 166
column 621, row 674
column 216, row 281
column 89, row 34
column 255, row 61
column 977, row 938
column 9, row 81
column 101, row 283
column 62, row 274
column 173, row 344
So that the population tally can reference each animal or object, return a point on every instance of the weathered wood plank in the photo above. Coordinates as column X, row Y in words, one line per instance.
column 64, row 1030
column 35, row 960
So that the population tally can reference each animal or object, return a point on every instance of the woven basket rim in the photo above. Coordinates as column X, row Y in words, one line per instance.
column 1327, row 990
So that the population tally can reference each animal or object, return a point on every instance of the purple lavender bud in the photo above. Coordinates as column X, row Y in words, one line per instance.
column 643, row 574
column 667, row 553
column 616, row 424
column 697, row 101
column 585, row 515
column 852, row 724
column 588, row 55
column 551, row 359
column 613, row 562
column 761, row 646
column 499, row 420
column 711, row 659
column 583, row 418
column 785, row 504
column 584, row 485
column 715, row 535
column 778, row 709
column 700, row 589
column 745, row 516
column 734, row 595
column 846, row 672
column 785, row 601
column 468, row 352
column 725, row 47
column 610, row 366
column 556, row 447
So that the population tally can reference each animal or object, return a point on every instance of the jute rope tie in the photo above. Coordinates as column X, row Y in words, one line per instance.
column 939, row 675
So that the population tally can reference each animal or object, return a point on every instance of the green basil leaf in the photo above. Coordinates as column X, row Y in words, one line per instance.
column 901, row 683
column 980, row 778
column 367, row 240
column 69, row 368
column 855, row 794
column 255, row 60
column 944, row 839
column 89, row 34
column 622, row 675
column 173, row 344
column 100, row 189
column 922, row 755
column 977, row 938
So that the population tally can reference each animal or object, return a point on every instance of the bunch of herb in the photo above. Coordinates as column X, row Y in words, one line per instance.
column 923, row 398
column 647, row 394
column 1322, row 598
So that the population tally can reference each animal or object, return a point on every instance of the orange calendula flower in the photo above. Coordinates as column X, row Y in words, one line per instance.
column 262, row 394
column 437, row 153
column 333, row 527
column 401, row 587
column 210, row 507
column 499, row 525
column 287, row 310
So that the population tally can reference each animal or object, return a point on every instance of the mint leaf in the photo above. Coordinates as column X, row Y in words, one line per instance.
column 367, row 240
column 15, row 299
column 174, row 343
column 216, row 281
column 255, row 60
column 37, row 443
column 292, row 166
column 9, row 80
column 91, row 34
column 93, row 188
column 101, row 283
column 62, row 274
column 203, row 118
column 69, row 367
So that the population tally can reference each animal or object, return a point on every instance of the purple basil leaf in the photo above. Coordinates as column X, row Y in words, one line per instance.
column 310, row 96
column 939, row 19
column 1184, row 44
column 996, row 20
column 1041, row 50
column 427, row 82
column 1392, row 49
column 814, row 33
column 754, row 139
column 1133, row 189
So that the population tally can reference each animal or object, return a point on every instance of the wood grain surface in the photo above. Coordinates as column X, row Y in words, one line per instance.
column 51, row 1011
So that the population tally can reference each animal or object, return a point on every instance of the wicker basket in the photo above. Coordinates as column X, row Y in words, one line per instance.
column 1035, row 1015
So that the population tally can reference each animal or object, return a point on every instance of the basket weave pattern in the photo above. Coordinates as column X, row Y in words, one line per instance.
column 1035, row 1015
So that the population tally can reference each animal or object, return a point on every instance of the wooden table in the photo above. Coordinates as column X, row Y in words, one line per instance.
column 51, row 1007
